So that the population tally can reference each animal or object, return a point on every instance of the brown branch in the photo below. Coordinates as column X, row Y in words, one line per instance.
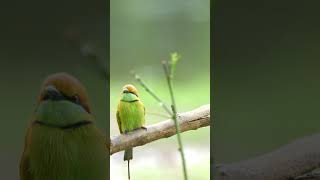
column 191, row 120
column 285, row 163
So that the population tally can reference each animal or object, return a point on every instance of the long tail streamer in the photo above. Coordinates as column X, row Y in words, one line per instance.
column 129, row 169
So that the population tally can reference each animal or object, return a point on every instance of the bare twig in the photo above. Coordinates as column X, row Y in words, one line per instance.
column 161, row 103
column 191, row 120
column 285, row 163
column 174, row 117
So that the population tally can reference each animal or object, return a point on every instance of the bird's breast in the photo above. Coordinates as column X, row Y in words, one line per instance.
column 131, row 115
column 73, row 154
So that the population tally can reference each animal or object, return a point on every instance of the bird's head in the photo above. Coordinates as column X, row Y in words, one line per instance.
column 129, row 93
column 63, row 101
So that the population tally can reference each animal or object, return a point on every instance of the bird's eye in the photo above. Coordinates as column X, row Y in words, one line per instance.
column 75, row 99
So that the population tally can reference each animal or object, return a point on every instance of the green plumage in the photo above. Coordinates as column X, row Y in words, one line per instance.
column 130, row 116
column 54, row 153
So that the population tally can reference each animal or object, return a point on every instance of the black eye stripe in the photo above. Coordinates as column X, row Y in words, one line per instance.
column 74, row 98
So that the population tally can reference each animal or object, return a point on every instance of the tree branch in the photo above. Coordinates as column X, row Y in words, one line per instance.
column 286, row 163
column 191, row 120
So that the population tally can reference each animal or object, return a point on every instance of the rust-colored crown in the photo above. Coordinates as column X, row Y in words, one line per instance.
column 131, row 89
column 68, row 85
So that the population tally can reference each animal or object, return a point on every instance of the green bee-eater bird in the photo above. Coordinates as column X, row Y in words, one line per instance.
column 130, row 115
column 62, row 141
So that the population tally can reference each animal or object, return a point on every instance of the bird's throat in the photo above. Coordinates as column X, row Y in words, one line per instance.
column 129, row 97
column 62, row 114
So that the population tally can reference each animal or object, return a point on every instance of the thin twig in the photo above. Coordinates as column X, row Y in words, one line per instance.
column 161, row 103
column 174, row 117
column 92, row 56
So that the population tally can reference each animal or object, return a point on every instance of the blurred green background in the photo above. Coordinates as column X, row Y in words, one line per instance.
column 266, row 76
column 142, row 34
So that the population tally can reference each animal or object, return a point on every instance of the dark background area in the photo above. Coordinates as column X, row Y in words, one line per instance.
column 38, row 38
column 266, row 77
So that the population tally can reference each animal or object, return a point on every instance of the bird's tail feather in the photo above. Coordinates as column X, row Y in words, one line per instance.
column 128, row 169
column 127, row 154
column 127, row 157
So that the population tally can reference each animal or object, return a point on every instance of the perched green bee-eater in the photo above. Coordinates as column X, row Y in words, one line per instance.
column 62, row 141
column 130, row 115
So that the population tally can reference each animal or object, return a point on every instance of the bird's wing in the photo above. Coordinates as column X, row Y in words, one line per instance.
column 25, row 173
column 24, row 168
column 119, row 121
column 144, row 115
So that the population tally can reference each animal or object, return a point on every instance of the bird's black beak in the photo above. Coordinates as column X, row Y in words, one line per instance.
column 53, row 93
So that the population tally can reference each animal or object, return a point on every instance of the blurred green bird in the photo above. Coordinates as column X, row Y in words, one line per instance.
column 130, row 115
column 62, row 141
